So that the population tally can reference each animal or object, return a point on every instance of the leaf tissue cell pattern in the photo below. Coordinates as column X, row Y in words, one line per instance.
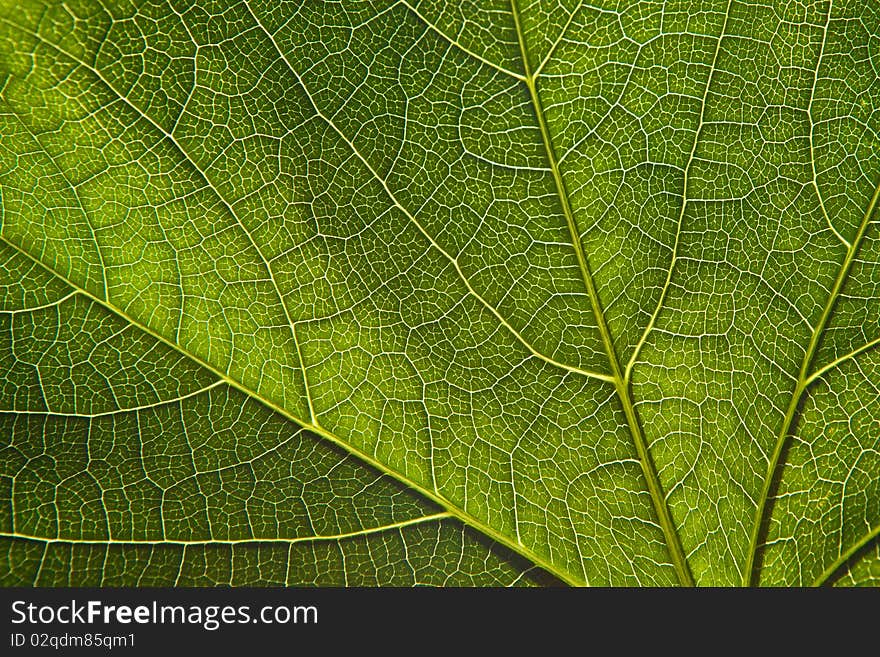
column 509, row 292
column 126, row 463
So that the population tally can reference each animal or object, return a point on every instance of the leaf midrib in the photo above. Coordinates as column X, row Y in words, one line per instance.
column 621, row 384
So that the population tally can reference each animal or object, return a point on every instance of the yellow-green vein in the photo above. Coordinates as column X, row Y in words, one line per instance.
column 658, row 499
column 804, row 379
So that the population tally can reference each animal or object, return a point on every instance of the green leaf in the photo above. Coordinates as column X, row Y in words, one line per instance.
column 434, row 292
column 128, row 464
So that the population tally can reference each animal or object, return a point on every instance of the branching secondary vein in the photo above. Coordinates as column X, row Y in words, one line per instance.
column 451, row 508
column 620, row 384
column 750, row 574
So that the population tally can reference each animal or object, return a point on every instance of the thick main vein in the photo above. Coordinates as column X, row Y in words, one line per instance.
column 803, row 381
column 621, row 385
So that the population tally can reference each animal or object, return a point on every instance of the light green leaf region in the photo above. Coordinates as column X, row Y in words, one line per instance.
column 502, row 292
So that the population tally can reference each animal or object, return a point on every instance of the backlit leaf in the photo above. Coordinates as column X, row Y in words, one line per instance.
column 397, row 292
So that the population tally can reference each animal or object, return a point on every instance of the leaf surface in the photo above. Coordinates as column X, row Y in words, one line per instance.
column 587, row 287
